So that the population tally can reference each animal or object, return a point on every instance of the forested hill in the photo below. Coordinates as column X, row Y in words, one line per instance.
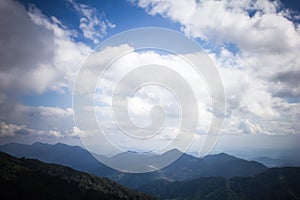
column 273, row 184
column 33, row 179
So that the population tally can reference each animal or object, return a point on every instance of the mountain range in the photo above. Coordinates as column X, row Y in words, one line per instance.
column 214, row 177
column 185, row 168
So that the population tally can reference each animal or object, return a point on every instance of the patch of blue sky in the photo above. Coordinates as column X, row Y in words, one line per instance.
column 49, row 98
column 293, row 99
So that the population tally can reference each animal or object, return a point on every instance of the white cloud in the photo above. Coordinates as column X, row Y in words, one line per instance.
column 262, row 76
column 40, row 118
column 37, row 53
column 251, row 106
column 142, row 102
column 229, row 21
column 93, row 25
column 68, row 55
column 10, row 130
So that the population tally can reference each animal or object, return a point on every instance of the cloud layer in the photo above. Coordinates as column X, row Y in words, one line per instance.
column 254, row 44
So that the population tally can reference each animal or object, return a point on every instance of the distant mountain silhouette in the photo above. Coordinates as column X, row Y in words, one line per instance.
column 273, row 184
column 185, row 168
column 222, row 164
column 276, row 162
column 33, row 179
column 188, row 167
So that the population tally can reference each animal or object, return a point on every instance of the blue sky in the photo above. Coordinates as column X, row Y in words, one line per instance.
column 254, row 45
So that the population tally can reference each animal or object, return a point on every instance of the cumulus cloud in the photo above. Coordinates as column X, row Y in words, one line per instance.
column 287, row 83
column 9, row 130
column 252, row 108
column 38, row 118
column 142, row 102
column 34, row 50
column 38, row 54
column 266, row 29
column 14, row 130
column 144, row 99
column 260, row 76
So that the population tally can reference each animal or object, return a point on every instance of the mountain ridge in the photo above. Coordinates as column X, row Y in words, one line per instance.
column 184, row 168
column 71, row 156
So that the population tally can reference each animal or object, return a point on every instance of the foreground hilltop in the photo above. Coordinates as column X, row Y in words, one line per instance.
column 33, row 179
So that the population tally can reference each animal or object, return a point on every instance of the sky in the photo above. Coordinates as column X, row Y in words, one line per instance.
column 253, row 44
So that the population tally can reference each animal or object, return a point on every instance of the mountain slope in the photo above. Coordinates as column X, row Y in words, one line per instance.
column 28, row 178
column 273, row 184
